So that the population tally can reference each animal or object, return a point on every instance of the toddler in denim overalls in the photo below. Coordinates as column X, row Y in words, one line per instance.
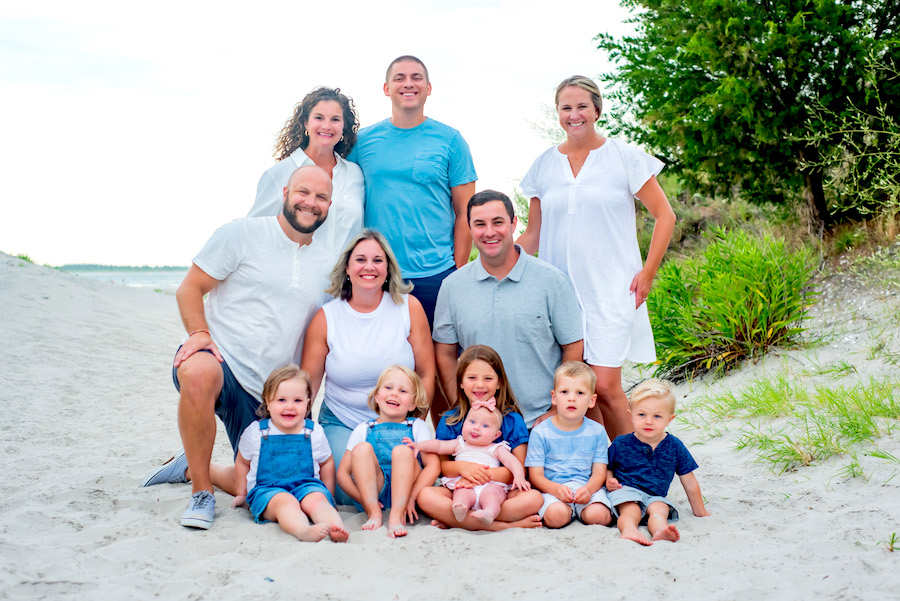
column 281, row 459
column 378, row 470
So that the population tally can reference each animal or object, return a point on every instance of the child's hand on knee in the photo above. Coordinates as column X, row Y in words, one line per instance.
column 582, row 496
column 563, row 493
column 521, row 483
column 612, row 484
column 239, row 501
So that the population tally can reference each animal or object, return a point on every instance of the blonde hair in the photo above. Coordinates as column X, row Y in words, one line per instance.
column 421, row 401
column 575, row 369
column 393, row 284
column 506, row 400
column 653, row 389
column 585, row 83
column 275, row 379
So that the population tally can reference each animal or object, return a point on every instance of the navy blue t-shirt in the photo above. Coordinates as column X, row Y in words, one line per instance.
column 636, row 464
column 513, row 429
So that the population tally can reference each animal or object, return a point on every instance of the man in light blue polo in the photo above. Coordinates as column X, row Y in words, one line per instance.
column 419, row 176
column 523, row 308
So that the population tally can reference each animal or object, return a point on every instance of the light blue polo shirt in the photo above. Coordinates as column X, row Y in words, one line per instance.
column 409, row 173
column 525, row 317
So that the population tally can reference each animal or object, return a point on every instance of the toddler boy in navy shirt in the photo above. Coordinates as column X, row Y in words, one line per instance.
column 643, row 464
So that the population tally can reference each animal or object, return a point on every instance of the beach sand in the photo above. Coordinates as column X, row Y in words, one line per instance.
column 89, row 407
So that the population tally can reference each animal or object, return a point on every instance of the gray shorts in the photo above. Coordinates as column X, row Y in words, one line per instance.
column 577, row 508
column 643, row 499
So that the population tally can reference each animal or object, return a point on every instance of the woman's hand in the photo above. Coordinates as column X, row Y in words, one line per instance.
column 640, row 287
column 472, row 474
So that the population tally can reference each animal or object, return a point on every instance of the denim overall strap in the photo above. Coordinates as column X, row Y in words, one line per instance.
column 284, row 460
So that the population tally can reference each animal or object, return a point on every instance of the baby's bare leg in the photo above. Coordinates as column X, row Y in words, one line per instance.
column 629, row 518
column 320, row 511
column 463, row 501
column 403, row 472
column 492, row 497
column 369, row 479
column 658, row 523
column 436, row 501
column 285, row 509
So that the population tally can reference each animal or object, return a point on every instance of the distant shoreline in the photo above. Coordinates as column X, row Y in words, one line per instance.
column 163, row 279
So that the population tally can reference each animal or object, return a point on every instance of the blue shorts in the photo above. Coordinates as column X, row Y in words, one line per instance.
column 577, row 508
column 426, row 291
column 235, row 406
column 643, row 499
column 262, row 496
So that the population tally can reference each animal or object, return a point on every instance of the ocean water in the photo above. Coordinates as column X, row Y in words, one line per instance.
column 164, row 279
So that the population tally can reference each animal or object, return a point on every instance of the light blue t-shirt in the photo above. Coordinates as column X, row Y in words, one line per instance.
column 567, row 456
column 409, row 173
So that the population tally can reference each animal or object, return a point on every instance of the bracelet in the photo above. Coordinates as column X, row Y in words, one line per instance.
column 198, row 331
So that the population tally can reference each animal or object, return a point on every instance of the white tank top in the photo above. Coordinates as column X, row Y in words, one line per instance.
column 360, row 347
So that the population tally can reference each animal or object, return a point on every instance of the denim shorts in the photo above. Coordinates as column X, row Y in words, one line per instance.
column 235, row 406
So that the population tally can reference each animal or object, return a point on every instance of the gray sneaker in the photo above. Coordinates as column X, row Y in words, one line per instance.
column 171, row 471
column 201, row 511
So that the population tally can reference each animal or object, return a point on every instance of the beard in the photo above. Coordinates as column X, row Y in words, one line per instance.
column 291, row 218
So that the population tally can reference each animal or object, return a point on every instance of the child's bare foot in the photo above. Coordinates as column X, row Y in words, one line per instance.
column 373, row 523
column 338, row 534
column 635, row 535
column 313, row 533
column 483, row 516
column 459, row 511
column 439, row 524
column 669, row 533
column 396, row 530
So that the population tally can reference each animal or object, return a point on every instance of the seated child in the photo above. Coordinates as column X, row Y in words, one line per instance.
column 643, row 464
column 476, row 444
column 378, row 470
column 567, row 453
column 281, row 458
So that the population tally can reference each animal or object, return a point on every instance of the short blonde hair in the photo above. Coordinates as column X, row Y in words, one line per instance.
column 575, row 369
column 653, row 389
column 275, row 379
column 421, row 401
column 585, row 83
column 393, row 285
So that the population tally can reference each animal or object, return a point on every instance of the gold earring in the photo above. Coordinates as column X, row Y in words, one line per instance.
column 306, row 131
column 342, row 138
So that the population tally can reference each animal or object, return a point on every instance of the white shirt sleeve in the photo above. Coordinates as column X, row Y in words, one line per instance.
column 320, row 449
column 421, row 431
column 357, row 436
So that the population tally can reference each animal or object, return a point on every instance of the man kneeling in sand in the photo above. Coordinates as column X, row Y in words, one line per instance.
column 265, row 281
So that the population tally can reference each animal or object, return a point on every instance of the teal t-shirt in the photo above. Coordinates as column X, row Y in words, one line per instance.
column 409, row 173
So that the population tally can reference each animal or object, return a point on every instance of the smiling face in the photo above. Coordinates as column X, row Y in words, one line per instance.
column 572, row 397
column 479, row 382
column 395, row 397
column 307, row 197
column 289, row 405
column 367, row 267
column 577, row 113
column 407, row 85
column 650, row 418
column 481, row 427
column 325, row 124
column 492, row 231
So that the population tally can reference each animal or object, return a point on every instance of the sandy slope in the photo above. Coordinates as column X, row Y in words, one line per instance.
column 88, row 406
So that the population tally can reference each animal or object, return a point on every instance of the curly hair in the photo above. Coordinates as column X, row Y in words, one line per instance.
column 393, row 285
column 293, row 135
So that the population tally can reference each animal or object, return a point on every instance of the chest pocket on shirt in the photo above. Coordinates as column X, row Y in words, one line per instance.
column 531, row 328
column 429, row 168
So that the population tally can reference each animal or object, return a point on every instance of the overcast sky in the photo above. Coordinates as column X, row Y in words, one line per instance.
column 128, row 133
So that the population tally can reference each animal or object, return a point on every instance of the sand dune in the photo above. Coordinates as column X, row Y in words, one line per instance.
column 88, row 407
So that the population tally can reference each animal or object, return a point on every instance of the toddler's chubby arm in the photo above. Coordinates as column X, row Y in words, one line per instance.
column 241, row 469
column 438, row 447
column 544, row 484
column 327, row 474
column 515, row 466
column 692, row 489
column 594, row 483
column 611, row 482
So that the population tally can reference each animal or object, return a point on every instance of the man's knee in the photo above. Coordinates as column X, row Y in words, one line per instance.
column 200, row 378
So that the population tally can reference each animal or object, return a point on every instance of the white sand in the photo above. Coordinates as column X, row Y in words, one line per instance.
column 88, row 407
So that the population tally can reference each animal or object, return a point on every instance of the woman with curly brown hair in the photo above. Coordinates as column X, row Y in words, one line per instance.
column 321, row 131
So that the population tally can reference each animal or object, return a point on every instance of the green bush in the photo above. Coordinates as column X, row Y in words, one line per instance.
column 742, row 295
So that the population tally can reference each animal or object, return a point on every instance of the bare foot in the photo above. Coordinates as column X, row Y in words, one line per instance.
column 483, row 516
column 338, row 534
column 635, row 535
column 373, row 523
column 459, row 511
column 669, row 533
column 312, row 534
column 396, row 530
column 532, row 521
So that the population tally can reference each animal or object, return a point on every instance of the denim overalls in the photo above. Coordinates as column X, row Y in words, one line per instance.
column 383, row 438
column 285, row 465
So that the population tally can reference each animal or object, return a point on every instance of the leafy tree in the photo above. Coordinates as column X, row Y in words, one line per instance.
column 718, row 87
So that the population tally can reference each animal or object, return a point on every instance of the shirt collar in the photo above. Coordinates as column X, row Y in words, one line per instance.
column 514, row 275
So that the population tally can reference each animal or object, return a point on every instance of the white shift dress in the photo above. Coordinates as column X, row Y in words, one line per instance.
column 588, row 232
